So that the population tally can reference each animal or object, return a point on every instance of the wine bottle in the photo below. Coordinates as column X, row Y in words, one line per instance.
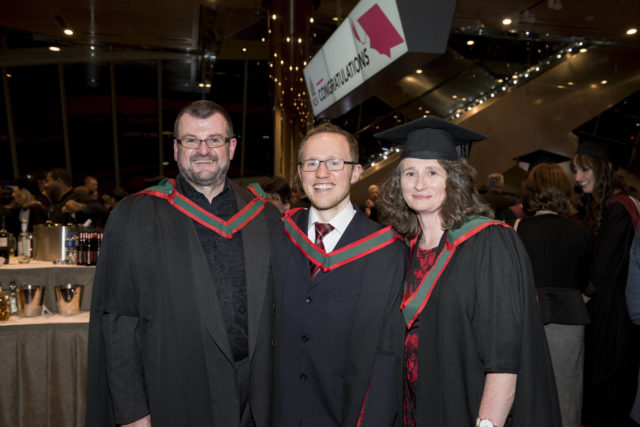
column 4, row 244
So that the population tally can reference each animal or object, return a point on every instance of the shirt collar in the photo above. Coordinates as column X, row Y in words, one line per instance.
column 339, row 222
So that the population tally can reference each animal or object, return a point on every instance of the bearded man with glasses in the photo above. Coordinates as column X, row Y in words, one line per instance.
column 338, row 281
column 182, row 304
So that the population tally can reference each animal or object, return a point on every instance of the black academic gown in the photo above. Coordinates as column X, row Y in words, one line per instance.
column 482, row 317
column 612, row 341
column 173, row 359
column 339, row 339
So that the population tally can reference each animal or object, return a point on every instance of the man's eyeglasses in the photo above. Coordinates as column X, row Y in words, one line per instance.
column 214, row 141
column 334, row 165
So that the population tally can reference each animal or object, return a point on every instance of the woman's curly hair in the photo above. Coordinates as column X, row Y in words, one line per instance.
column 547, row 187
column 461, row 200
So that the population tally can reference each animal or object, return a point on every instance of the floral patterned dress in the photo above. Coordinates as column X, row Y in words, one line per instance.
column 425, row 259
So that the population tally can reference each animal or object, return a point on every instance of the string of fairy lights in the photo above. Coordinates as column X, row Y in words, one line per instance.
column 500, row 87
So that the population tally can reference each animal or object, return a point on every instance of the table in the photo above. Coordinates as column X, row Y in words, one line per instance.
column 43, row 370
column 49, row 275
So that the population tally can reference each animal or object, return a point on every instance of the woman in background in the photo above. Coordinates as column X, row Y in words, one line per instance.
column 26, row 209
column 612, row 342
column 560, row 250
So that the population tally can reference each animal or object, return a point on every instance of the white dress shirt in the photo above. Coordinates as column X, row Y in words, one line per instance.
column 339, row 223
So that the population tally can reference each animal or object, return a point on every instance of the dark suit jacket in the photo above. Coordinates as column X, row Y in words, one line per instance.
column 157, row 341
column 339, row 340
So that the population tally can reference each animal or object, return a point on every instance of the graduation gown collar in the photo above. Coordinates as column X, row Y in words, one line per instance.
column 341, row 255
column 413, row 303
column 167, row 190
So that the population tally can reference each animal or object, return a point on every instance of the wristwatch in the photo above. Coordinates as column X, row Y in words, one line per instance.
column 484, row 422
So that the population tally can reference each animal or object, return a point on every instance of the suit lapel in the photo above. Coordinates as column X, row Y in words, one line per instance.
column 302, row 263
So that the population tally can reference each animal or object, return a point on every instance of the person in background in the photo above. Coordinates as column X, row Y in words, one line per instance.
column 26, row 209
column 278, row 192
column 91, row 183
column 528, row 162
column 560, row 250
column 370, row 207
column 475, row 349
column 338, row 282
column 633, row 305
column 494, row 196
column 66, row 204
column 612, row 341
column 182, row 304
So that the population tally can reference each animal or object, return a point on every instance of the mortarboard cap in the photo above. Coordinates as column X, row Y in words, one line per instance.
column 611, row 150
column 541, row 156
column 432, row 138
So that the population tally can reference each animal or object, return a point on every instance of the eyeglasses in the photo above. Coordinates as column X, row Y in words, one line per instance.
column 214, row 141
column 334, row 165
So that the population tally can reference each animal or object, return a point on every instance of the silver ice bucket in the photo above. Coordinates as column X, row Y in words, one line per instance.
column 30, row 300
column 48, row 242
column 69, row 299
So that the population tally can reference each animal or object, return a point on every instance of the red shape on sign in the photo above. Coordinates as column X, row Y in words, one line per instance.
column 381, row 32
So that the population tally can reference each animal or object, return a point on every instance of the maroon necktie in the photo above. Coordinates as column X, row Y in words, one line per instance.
column 321, row 231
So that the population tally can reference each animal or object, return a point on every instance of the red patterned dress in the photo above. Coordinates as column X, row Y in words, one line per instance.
column 425, row 259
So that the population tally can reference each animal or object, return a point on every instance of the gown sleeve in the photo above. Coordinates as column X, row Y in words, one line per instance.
column 115, row 362
column 503, row 288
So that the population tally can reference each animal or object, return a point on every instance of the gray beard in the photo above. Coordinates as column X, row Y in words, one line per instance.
column 205, row 181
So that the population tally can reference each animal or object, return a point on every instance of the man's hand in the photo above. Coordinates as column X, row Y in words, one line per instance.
column 142, row 422
column 73, row 206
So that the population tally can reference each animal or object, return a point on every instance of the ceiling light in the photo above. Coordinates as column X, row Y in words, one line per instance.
column 311, row 20
column 632, row 31
column 506, row 21
column 54, row 48
column 583, row 50
column 603, row 82
column 69, row 31
column 335, row 19
column 288, row 39
column 570, row 83
column 299, row 40
column 200, row 84
column 263, row 40
column 8, row 75
column 207, row 85
column 419, row 71
column 470, row 42
column 244, row 49
column 274, row 16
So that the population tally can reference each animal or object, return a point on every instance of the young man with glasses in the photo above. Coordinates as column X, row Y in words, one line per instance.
column 182, row 304
column 338, row 280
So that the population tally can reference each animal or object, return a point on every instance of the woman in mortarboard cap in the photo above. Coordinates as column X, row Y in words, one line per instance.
column 612, row 342
column 475, row 350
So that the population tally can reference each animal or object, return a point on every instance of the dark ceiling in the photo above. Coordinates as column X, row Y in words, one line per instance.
column 199, row 36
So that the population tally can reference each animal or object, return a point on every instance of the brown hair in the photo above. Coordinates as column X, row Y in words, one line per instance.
column 203, row 109
column 331, row 128
column 606, row 184
column 280, row 186
column 461, row 200
column 62, row 175
column 547, row 187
